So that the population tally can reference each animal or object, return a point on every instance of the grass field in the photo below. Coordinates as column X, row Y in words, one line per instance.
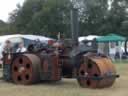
column 68, row 87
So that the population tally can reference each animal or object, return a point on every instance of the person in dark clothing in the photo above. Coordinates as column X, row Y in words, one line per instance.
column 7, row 57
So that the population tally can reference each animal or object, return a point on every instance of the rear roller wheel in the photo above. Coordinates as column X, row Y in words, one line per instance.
column 25, row 69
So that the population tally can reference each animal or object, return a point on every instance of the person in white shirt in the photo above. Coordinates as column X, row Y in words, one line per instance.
column 21, row 48
column 119, row 52
column 112, row 52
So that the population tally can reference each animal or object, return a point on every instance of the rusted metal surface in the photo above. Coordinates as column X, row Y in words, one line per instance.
column 50, row 67
column 67, row 67
column 56, row 68
column 25, row 69
column 96, row 72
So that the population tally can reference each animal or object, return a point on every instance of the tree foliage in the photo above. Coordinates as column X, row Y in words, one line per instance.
column 48, row 17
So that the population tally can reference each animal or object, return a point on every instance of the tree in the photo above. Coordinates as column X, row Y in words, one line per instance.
column 48, row 17
column 45, row 17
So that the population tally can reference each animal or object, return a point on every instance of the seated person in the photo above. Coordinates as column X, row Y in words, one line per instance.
column 21, row 48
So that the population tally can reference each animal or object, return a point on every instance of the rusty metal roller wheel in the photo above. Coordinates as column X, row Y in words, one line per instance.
column 96, row 72
column 25, row 69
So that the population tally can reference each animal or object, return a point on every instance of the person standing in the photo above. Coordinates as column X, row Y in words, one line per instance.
column 7, row 47
column 112, row 52
column 119, row 52
column 7, row 58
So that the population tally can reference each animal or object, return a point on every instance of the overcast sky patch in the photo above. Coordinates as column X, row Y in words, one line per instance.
column 7, row 6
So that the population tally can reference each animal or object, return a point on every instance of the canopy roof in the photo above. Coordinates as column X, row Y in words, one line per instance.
column 111, row 38
column 30, row 37
column 89, row 37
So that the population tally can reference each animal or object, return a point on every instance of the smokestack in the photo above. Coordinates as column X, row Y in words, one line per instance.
column 74, row 25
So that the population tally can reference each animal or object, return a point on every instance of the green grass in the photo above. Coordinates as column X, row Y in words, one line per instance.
column 68, row 87
column 121, row 61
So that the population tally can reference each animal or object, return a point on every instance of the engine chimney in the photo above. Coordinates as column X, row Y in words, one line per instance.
column 74, row 25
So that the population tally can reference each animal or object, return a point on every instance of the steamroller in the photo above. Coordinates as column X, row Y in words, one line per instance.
column 66, row 58
column 90, row 69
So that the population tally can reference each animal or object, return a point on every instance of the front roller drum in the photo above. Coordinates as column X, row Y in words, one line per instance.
column 25, row 69
column 96, row 72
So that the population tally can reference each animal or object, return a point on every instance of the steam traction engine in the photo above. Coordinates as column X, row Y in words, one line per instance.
column 63, row 59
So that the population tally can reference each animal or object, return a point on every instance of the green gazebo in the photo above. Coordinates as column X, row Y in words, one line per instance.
column 110, row 38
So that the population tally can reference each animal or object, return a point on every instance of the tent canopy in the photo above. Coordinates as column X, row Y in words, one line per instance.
column 89, row 37
column 111, row 38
